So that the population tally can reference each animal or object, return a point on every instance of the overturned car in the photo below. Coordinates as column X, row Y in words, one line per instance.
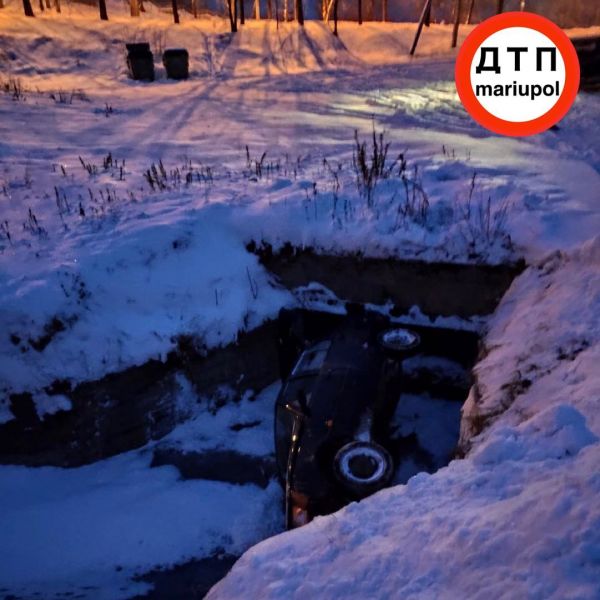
column 341, row 387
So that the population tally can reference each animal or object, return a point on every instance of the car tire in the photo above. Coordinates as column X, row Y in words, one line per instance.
column 399, row 341
column 362, row 468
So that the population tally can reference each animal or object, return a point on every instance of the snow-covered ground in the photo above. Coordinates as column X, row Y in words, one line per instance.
column 89, row 531
column 115, row 260
column 125, row 209
column 519, row 517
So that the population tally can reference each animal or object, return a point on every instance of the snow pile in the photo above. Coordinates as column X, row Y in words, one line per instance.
column 519, row 516
column 119, row 293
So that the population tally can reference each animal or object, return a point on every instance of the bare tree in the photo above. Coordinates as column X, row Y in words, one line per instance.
column 360, row 12
column 175, row 12
column 257, row 10
column 242, row 14
column 102, row 7
column 41, row 5
column 384, row 10
column 57, row 6
column 500, row 7
column 458, row 7
column 27, row 8
column 134, row 8
column 231, row 11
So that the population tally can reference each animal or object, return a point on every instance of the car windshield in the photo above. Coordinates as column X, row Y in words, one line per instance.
column 312, row 359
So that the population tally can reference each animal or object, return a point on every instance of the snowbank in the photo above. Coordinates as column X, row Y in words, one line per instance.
column 518, row 517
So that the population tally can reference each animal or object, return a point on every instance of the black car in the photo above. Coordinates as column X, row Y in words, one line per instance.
column 342, row 384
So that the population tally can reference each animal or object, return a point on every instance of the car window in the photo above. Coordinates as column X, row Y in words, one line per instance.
column 311, row 360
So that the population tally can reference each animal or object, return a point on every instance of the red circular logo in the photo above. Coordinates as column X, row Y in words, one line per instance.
column 517, row 74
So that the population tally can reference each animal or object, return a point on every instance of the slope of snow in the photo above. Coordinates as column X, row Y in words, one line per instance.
column 519, row 516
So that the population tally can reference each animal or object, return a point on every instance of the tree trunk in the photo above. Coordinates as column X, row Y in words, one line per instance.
column 41, row 5
column 242, row 14
column 384, row 10
column 269, row 9
column 300, row 12
column 57, row 6
column 175, row 12
column 134, row 8
column 470, row 13
column 195, row 8
column 500, row 7
column 27, row 8
column 257, row 10
column 48, row 4
column 335, row 17
column 360, row 12
column 141, row 5
column 458, row 6
column 102, row 7
column 1, row 3
column 231, row 10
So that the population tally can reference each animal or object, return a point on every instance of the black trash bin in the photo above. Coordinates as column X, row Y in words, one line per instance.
column 176, row 63
column 140, row 61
